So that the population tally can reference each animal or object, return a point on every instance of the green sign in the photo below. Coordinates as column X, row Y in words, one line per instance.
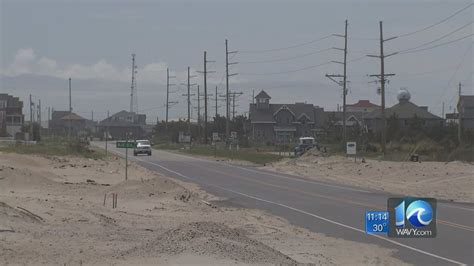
column 126, row 144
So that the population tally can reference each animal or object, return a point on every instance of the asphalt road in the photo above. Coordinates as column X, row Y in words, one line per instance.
column 334, row 210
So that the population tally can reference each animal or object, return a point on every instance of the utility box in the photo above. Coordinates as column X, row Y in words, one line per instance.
column 351, row 148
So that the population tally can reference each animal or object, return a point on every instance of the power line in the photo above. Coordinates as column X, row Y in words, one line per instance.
column 437, row 39
column 286, row 72
column 454, row 74
column 153, row 108
column 286, row 58
column 436, row 46
column 357, row 59
column 287, row 47
column 437, row 23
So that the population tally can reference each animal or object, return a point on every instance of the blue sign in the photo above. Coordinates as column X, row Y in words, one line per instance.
column 376, row 222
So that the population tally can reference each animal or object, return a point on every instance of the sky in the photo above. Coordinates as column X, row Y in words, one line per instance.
column 283, row 47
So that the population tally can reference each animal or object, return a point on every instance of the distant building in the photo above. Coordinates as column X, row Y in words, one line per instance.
column 362, row 106
column 466, row 111
column 121, row 123
column 355, row 114
column 11, row 115
column 61, row 121
column 353, row 119
column 404, row 113
column 283, row 122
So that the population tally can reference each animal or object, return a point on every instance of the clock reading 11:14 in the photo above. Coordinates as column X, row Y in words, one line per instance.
column 376, row 222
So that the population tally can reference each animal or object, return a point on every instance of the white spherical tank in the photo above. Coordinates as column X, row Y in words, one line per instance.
column 403, row 95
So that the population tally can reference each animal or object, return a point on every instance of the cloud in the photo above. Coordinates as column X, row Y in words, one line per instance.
column 27, row 62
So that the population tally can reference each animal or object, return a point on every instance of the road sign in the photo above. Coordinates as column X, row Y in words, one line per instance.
column 125, row 144
column 351, row 148
column 215, row 136
column 233, row 135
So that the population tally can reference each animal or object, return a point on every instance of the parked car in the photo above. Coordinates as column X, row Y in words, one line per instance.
column 305, row 144
column 142, row 147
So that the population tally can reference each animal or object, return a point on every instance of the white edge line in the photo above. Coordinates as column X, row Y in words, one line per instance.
column 273, row 174
column 455, row 207
column 309, row 214
column 297, row 179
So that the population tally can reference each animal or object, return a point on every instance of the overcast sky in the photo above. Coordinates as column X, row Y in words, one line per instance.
column 45, row 42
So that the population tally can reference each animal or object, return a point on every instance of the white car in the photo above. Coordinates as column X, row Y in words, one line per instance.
column 142, row 147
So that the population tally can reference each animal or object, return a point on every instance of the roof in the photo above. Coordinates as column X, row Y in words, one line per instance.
column 262, row 95
column 362, row 103
column 56, row 115
column 337, row 115
column 124, row 118
column 72, row 116
column 403, row 110
column 267, row 115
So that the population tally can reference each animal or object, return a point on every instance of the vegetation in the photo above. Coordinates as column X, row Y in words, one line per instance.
column 431, row 143
column 170, row 133
column 243, row 154
column 56, row 147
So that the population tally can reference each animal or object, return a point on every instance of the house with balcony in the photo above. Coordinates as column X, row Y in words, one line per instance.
column 11, row 115
column 122, row 123
column 283, row 122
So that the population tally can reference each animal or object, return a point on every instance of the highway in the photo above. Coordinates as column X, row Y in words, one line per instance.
column 332, row 209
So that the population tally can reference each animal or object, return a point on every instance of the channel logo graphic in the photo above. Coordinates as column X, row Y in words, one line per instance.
column 412, row 217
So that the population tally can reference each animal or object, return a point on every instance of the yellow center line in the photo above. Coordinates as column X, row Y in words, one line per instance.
column 313, row 194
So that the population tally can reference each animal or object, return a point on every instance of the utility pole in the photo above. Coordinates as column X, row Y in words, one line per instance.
column 49, row 121
column 199, row 113
column 133, row 89
column 189, row 99
column 205, row 97
column 233, row 107
column 382, row 80
column 31, row 119
column 217, row 107
column 107, row 133
column 253, row 96
column 233, row 94
column 459, row 116
column 167, row 95
column 70, row 112
column 205, row 72
column 227, row 125
column 39, row 119
column 442, row 111
column 92, row 115
column 343, row 84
